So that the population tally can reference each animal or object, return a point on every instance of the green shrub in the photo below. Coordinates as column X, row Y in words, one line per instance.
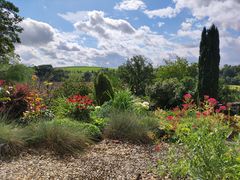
column 60, row 138
column 128, row 126
column 166, row 94
column 205, row 152
column 60, row 107
column 73, row 85
column 103, row 89
column 11, row 140
column 123, row 100
column 19, row 73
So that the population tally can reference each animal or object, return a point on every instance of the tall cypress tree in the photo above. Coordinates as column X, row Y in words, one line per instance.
column 209, row 60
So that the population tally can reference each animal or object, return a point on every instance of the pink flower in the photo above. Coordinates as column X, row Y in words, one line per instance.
column 198, row 114
column 222, row 108
column 185, row 106
column 206, row 97
column 170, row 118
column 187, row 96
column 212, row 101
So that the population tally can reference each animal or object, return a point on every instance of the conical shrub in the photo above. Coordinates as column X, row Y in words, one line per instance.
column 103, row 89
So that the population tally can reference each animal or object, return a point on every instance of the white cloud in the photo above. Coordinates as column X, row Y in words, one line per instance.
column 130, row 5
column 36, row 33
column 74, row 17
column 99, row 26
column 224, row 13
column 167, row 12
column 160, row 24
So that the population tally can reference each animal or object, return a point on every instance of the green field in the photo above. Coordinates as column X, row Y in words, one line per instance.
column 235, row 87
column 81, row 68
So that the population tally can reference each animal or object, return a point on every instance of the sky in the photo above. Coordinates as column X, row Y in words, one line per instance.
column 107, row 32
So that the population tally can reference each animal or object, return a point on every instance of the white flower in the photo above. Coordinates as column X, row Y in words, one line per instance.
column 97, row 107
column 145, row 103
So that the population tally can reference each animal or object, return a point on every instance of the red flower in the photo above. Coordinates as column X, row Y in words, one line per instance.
column 212, row 101
column 185, row 106
column 170, row 118
column 2, row 82
column 158, row 148
column 187, row 96
column 81, row 102
column 206, row 113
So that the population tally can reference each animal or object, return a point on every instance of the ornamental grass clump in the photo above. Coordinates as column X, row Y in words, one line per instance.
column 56, row 137
column 128, row 126
column 11, row 140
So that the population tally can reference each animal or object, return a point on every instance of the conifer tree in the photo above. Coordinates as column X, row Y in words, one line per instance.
column 209, row 60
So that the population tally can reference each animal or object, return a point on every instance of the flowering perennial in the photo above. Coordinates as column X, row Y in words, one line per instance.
column 80, row 107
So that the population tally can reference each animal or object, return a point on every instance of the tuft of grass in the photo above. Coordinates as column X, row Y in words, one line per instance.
column 11, row 140
column 124, row 125
column 57, row 137
column 123, row 100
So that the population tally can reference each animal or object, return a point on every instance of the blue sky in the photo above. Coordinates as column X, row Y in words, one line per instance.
column 107, row 32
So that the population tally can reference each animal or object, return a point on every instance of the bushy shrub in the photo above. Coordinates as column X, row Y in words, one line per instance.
column 103, row 89
column 128, row 126
column 57, row 137
column 205, row 152
column 11, row 140
column 13, row 100
column 60, row 107
column 73, row 85
column 228, row 95
column 165, row 94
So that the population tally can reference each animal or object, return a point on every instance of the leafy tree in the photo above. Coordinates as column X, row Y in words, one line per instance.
column 137, row 73
column 44, row 72
column 209, row 60
column 177, row 69
column 19, row 73
column 103, row 89
column 59, row 75
column 9, row 30
column 230, row 74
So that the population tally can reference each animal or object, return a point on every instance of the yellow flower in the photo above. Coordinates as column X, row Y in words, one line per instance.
column 34, row 77
column 46, row 83
column 38, row 99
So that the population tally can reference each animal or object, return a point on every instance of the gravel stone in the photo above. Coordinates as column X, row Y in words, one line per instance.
column 106, row 160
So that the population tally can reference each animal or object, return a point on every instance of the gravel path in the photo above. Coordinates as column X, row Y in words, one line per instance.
column 106, row 160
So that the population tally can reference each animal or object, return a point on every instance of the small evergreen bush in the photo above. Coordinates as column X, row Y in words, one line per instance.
column 103, row 89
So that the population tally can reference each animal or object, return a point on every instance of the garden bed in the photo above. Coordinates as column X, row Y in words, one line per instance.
column 108, row 159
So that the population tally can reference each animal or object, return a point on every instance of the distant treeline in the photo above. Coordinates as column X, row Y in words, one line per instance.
column 230, row 74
